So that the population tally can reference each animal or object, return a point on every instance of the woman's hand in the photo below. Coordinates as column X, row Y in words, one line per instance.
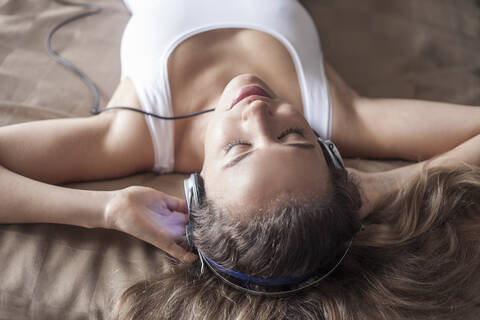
column 152, row 216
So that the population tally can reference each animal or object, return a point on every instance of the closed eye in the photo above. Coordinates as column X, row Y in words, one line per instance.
column 282, row 135
column 234, row 143
column 291, row 131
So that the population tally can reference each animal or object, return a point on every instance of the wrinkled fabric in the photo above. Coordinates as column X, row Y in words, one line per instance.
column 383, row 48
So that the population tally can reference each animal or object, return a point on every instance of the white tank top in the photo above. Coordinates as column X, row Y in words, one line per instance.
column 156, row 28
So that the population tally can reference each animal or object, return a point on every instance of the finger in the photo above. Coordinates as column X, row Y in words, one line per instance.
column 183, row 216
column 180, row 253
column 178, row 217
column 189, row 258
column 174, row 203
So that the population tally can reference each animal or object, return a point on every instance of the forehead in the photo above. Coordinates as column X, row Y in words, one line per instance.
column 267, row 176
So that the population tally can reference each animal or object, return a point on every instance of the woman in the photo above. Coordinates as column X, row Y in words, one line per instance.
column 274, row 205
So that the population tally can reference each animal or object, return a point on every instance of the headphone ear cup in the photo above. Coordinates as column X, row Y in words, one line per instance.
column 337, row 157
column 194, row 195
column 194, row 191
column 331, row 153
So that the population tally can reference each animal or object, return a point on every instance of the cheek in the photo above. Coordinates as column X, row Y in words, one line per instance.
column 289, row 110
column 220, row 129
column 216, row 137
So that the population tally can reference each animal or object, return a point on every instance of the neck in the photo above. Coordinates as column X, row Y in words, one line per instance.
column 374, row 187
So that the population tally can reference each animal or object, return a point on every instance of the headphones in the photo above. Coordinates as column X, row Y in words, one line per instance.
column 195, row 190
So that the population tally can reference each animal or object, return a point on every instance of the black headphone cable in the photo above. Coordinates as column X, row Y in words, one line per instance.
column 93, row 9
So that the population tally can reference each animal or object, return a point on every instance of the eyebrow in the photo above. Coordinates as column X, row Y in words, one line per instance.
column 236, row 160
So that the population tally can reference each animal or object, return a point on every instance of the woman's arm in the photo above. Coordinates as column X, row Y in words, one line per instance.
column 397, row 128
column 113, row 144
column 105, row 146
column 142, row 212
column 63, row 150
column 24, row 200
column 410, row 129
column 376, row 186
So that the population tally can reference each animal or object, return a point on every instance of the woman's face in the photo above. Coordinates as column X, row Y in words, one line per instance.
column 259, row 148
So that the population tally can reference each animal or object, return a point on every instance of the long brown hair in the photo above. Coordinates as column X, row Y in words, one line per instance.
column 418, row 257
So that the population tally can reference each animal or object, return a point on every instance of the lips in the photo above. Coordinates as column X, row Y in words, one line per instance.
column 250, row 91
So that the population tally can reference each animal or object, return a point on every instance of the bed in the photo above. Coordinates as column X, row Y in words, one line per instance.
column 425, row 49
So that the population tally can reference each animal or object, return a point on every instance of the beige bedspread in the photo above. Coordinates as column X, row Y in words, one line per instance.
column 427, row 49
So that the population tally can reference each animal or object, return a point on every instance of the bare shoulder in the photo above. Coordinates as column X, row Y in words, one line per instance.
column 344, row 98
column 340, row 89
column 129, row 129
column 125, row 95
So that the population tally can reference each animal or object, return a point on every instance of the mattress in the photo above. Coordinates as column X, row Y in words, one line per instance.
column 383, row 48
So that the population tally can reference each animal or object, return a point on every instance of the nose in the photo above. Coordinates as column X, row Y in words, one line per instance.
column 258, row 118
